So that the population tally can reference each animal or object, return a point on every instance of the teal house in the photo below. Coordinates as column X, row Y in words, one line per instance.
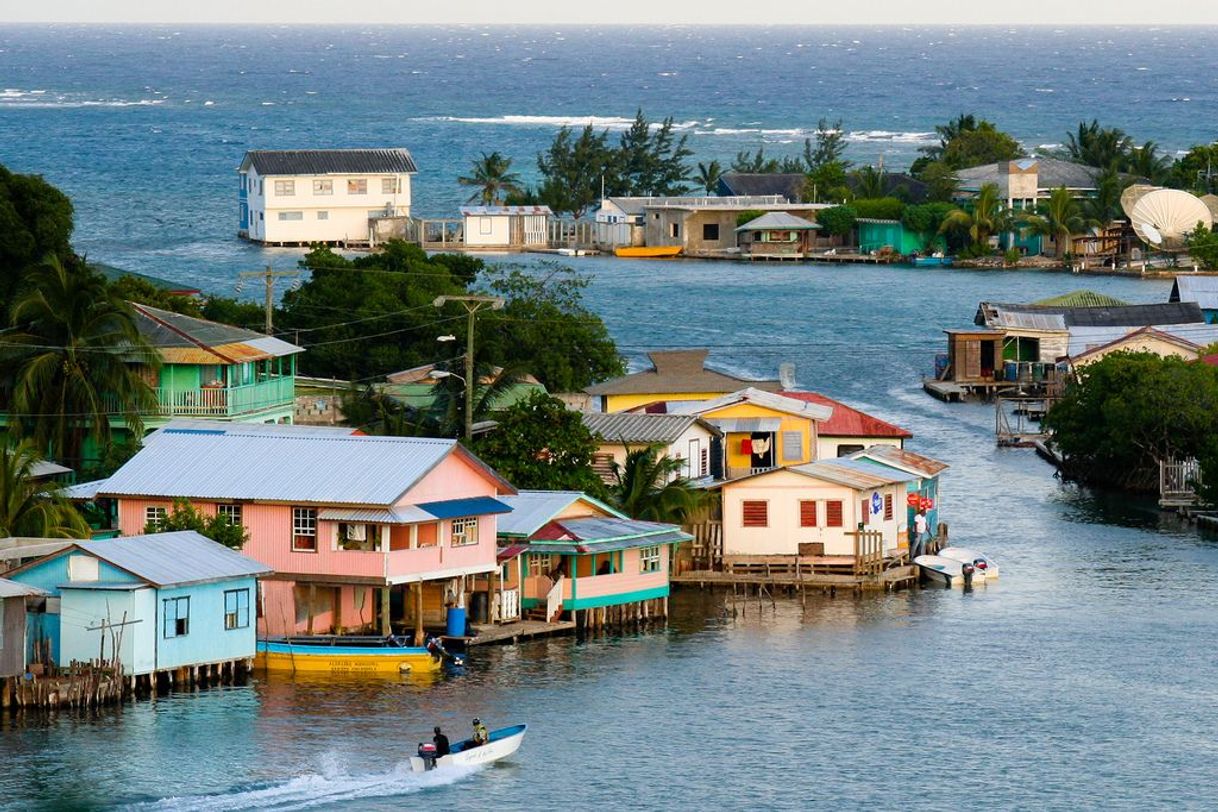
column 161, row 602
column 875, row 234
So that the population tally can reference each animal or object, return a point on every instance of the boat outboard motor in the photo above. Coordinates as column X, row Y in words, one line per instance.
column 427, row 752
column 436, row 649
column 981, row 564
column 967, row 570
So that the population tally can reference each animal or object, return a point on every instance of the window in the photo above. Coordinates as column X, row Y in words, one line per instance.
column 888, row 507
column 602, row 466
column 704, row 465
column 260, row 187
column 428, row 535
column 366, row 537
column 323, row 187
column 710, row 231
column 285, row 188
column 176, row 614
column 154, row 518
column 291, row 215
column 230, row 512
column 357, row 187
column 236, row 609
column 846, row 449
column 323, row 215
column 649, row 559
column 833, row 514
column 674, row 230
column 389, row 186
column 465, row 531
column 304, row 530
column 756, row 513
column 540, row 564
column 807, row 513
column 485, row 226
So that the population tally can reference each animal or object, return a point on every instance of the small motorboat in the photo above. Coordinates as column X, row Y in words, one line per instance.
column 981, row 561
column 502, row 743
column 346, row 654
column 647, row 251
column 948, row 571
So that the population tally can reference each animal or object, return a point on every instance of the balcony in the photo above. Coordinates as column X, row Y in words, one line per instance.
column 219, row 402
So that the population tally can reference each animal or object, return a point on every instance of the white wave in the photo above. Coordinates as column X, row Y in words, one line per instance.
column 61, row 101
column 887, row 135
column 316, row 789
column 856, row 136
column 599, row 122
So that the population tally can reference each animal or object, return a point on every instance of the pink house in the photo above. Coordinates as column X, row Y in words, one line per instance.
column 363, row 533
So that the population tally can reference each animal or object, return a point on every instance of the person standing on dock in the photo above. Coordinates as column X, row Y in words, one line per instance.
column 920, row 534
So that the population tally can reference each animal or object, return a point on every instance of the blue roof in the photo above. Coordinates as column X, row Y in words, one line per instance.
column 279, row 464
column 474, row 506
column 533, row 510
column 174, row 559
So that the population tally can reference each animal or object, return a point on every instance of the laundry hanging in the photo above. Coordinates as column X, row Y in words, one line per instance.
column 746, row 446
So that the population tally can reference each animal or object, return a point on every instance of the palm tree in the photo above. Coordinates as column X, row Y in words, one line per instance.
column 1097, row 146
column 1105, row 205
column 75, row 361
column 1059, row 217
column 868, row 182
column 648, row 485
column 986, row 216
column 492, row 176
column 708, row 176
column 33, row 507
column 1147, row 162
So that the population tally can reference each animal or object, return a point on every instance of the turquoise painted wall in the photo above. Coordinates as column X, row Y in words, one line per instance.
column 614, row 600
column 207, row 640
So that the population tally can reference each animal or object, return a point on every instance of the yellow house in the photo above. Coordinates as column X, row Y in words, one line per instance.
column 1146, row 339
column 675, row 375
column 763, row 430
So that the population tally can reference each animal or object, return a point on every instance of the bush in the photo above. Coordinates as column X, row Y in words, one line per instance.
column 878, row 208
column 836, row 220
column 1012, row 256
column 747, row 216
column 925, row 218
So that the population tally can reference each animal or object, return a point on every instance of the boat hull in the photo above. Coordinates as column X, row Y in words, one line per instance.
column 645, row 251
column 503, row 742
column 946, row 571
column 972, row 557
column 340, row 660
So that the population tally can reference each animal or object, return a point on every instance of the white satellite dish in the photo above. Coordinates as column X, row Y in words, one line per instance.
column 1211, row 203
column 1133, row 194
column 1169, row 215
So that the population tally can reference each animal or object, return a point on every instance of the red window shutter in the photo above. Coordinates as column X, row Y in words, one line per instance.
column 833, row 514
column 865, row 513
column 756, row 513
column 807, row 513
column 888, row 507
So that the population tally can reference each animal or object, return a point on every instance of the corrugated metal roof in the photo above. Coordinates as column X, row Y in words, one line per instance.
column 1050, row 322
column 82, row 490
column 787, row 185
column 1200, row 289
column 851, row 473
column 401, row 514
column 996, row 314
column 492, row 211
column 12, row 589
column 630, row 427
column 674, row 536
column 746, row 424
column 533, row 510
column 277, row 466
column 677, row 371
column 847, row 421
column 769, row 400
column 174, row 559
column 186, row 340
column 592, row 533
column 42, row 468
column 778, row 221
column 903, row 459
column 1081, row 298
column 329, row 161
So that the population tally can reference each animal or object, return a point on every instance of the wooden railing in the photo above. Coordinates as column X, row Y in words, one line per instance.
column 509, row 605
column 554, row 599
column 1178, row 481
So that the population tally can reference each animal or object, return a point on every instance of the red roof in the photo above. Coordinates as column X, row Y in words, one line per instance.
column 847, row 421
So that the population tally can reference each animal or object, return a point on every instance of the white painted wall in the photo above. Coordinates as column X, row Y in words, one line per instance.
column 346, row 213
column 826, row 446
column 487, row 229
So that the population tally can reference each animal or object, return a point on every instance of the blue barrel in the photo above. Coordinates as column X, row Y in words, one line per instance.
column 456, row 621
column 1010, row 371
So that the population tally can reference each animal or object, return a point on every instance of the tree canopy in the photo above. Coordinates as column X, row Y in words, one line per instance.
column 185, row 516
column 29, row 506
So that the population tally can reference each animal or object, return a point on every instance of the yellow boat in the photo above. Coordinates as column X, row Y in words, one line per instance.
column 343, row 655
column 648, row 251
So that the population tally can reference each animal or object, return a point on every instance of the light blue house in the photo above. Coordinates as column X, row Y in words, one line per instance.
column 163, row 601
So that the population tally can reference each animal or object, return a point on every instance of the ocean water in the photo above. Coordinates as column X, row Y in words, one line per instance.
column 144, row 126
column 1084, row 678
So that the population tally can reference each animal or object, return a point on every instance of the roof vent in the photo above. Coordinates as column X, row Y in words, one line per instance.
column 786, row 375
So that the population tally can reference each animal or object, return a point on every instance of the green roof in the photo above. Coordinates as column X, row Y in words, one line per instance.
column 423, row 395
column 1081, row 298
column 114, row 274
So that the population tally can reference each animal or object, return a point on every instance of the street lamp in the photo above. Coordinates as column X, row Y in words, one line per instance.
column 472, row 305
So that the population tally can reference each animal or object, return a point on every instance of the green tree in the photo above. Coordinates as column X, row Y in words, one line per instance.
column 75, row 358
column 1148, row 163
column 1203, row 247
column 878, row 208
column 185, row 516
column 868, row 182
column 141, row 291
column 541, row 444
column 983, row 218
column 647, row 485
column 35, row 223
column 984, row 145
column 650, row 160
column 965, row 122
column 756, row 163
column 1197, row 169
column 940, row 180
column 836, row 220
column 33, row 507
column 492, row 177
column 572, row 171
column 828, row 146
column 1104, row 206
column 925, row 218
column 1128, row 411
column 708, row 176
column 1101, row 147
column 1060, row 217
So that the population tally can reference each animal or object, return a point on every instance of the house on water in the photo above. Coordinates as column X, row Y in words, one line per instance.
column 848, row 430
column 686, row 437
column 674, row 375
column 332, row 196
column 506, row 227
column 159, row 602
column 776, row 234
column 14, row 597
column 363, row 533
column 572, row 556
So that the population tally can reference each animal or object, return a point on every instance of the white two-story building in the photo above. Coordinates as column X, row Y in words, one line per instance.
column 303, row 196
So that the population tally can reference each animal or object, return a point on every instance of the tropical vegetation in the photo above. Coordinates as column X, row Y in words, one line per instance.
column 492, row 179
column 1059, row 218
column 648, row 485
column 33, row 506
column 984, row 216
column 185, row 516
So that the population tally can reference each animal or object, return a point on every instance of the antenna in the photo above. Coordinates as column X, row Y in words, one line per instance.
column 786, row 375
column 1165, row 217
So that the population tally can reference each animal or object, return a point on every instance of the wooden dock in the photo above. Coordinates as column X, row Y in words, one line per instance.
column 518, row 631
column 945, row 391
column 795, row 581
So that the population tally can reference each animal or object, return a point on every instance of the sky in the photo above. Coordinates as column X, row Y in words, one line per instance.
column 673, row 12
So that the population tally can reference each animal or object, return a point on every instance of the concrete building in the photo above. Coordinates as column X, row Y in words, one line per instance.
column 335, row 196
column 505, row 227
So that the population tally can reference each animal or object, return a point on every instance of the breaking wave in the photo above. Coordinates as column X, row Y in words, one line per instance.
column 14, row 97
column 600, row 122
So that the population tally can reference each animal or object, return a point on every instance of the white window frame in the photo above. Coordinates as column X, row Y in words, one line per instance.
column 464, row 532
column 285, row 188
column 236, row 609
column 389, row 186
column 155, row 515
column 304, row 525
column 233, row 513
column 323, row 186
column 649, row 559
column 357, row 186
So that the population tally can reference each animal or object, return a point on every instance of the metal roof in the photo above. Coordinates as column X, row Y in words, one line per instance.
column 278, row 466
column 847, row 421
column 182, row 339
column 493, row 211
column 1200, row 289
column 747, row 424
column 114, row 274
column 605, row 533
column 42, row 468
column 82, row 490
column 1025, row 316
column 1085, row 339
column 12, row 589
column 329, row 161
column 641, row 427
column 635, row 205
column 777, row 221
column 1050, row 174
column 852, row 473
column 768, row 400
column 788, row 185
column 401, row 514
column 533, row 510
column 1081, row 298
column 174, row 559
column 677, row 371
column 903, row 459
column 474, row 506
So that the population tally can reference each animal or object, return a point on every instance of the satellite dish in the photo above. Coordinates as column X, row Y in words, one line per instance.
column 1133, row 194
column 1169, row 215
column 1211, row 203
column 786, row 375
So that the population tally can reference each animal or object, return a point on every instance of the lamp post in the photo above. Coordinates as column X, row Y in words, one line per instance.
column 472, row 305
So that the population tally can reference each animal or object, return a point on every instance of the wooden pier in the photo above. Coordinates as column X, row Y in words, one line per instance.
column 94, row 684
column 795, row 579
column 518, row 631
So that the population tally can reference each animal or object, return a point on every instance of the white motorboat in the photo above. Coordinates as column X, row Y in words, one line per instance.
column 949, row 571
column 980, row 560
column 502, row 743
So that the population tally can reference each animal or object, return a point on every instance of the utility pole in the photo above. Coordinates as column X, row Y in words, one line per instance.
column 269, row 275
column 472, row 305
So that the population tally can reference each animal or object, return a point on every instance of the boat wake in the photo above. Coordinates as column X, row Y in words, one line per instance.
column 315, row 789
